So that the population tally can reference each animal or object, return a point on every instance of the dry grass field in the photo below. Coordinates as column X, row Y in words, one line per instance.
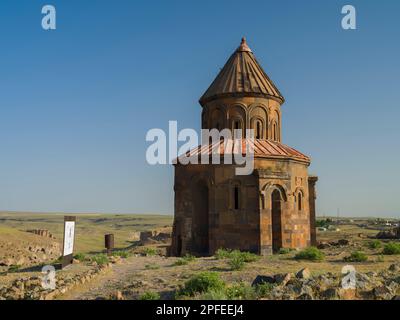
column 144, row 272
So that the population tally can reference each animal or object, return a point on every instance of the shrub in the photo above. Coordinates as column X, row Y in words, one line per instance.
column 100, row 259
column 152, row 266
column 13, row 268
column 356, row 256
column 181, row 262
column 149, row 296
column 374, row 244
column 228, row 254
column 184, row 260
column 264, row 289
column 247, row 256
column 189, row 257
column 284, row 250
column 236, row 262
column 241, row 291
column 323, row 223
column 311, row 253
column 391, row 248
column 203, row 282
column 213, row 295
column 222, row 254
column 121, row 254
column 150, row 251
column 80, row 256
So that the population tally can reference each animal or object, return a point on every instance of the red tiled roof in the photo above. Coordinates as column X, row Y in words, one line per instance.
column 262, row 149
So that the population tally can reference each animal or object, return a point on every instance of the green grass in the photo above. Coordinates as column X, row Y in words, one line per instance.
column 80, row 256
column 391, row 248
column 356, row 256
column 284, row 250
column 201, row 283
column 264, row 289
column 149, row 295
column 184, row 260
column 100, row 259
column 237, row 259
column 148, row 251
column 311, row 254
column 236, row 262
column 222, row 253
column 90, row 228
column 241, row 291
column 152, row 266
column 13, row 268
column 237, row 291
column 374, row 244
column 121, row 254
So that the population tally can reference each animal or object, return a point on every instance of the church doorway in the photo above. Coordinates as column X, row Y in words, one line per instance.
column 276, row 220
column 200, row 225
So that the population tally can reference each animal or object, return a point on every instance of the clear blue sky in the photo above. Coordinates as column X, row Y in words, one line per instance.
column 76, row 103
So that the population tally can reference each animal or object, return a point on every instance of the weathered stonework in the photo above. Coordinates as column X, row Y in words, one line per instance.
column 272, row 208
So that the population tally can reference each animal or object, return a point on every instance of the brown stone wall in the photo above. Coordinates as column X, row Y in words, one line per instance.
column 249, row 227
column 221, row 113
column 228, row 227
column 291, row 179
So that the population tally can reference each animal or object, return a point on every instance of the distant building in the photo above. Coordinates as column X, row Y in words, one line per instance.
column 270, row 209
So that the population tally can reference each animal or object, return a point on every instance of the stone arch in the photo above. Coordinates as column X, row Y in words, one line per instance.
column 259, row 113
column 235, row 195
column 276, row 219
column 217, row 119
column 200, row 191
column 276, row 126
column 299, row 199
column 237, row 113
column 269, row 188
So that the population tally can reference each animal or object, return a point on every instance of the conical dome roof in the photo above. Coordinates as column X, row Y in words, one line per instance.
column 242, row 75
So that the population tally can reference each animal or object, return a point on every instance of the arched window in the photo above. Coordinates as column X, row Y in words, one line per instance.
column 274, row 132
column 236, row 197
column 300, row 202
column 237, row 128
column 258, row 129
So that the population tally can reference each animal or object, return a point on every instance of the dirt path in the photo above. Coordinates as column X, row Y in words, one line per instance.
column 126, row 277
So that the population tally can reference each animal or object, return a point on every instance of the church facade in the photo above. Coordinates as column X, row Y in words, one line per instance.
column 270, row 209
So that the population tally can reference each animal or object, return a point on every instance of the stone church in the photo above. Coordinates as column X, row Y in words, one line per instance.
column 272, row 208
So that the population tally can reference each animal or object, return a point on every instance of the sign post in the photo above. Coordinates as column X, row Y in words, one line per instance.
column 68, row 244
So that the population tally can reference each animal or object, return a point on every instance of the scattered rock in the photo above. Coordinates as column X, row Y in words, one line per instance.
column 394, row 268
column 305, row 296
column 343, row 242
column 283, row 279
column 347, row 294
column 119, row 295
column 303, row 273
column 263, row 279
column 330, row 294
column 383, row 293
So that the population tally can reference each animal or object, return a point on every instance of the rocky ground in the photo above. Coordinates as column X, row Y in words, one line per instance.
column 25, row 249
column 145, row 269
